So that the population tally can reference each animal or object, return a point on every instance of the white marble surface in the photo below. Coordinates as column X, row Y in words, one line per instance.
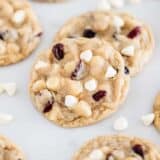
column 42, row 140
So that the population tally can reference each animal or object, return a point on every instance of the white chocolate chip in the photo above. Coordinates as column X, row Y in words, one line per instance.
column 103, row 5
column 91, row 85
column 41, row 64
column 2, row 48
column 70, row 101
column 128, row 51
column 10, row 88
column 96, row 154
column 120, row 124
column 117, row 3
column 118, row 22
column 83, row 109
column 86, row 55
column 5, row 118
column 148, row 119
column 111, row 72
column 53, row 83
column 19, row 17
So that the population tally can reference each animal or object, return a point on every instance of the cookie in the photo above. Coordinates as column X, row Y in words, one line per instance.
column 20, row 31
column 78, row 82
column 118, row 147
column 156, row 110
column 9, row 151
column 131, row 37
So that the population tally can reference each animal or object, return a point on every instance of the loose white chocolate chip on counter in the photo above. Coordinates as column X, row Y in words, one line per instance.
column 9, row 88
column 5, row 118
column 120, row 124
column 148, row 119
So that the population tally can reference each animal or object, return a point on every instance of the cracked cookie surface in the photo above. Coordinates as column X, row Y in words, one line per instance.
column 118, row 148
column 20, row 31
column 78, row 82
column 9, row 151
column 130, row 36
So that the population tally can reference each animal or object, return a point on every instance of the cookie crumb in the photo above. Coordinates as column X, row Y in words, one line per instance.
column 5, row 118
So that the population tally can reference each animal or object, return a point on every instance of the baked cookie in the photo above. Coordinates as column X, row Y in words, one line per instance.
column 131, row 37
column 118, row 148
column 156, row 110
column 78, row 82
column 20, row 31
column 9, row 151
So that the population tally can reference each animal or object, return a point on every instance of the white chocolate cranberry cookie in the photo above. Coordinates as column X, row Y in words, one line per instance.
column 118, row 148
column 78, row 82
column 156, row 110
column 20, row 31
column 9, row 151
column 131, row 37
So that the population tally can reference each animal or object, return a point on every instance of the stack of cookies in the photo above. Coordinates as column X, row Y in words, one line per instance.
column 83, row 77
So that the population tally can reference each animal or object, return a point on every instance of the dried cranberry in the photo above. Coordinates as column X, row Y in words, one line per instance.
column 78, row 72
column 134, row 32
column 138, row 150
column 88, row 33
column 99, row 95
column 48, row 107
column 126, row 70
column 58, row 51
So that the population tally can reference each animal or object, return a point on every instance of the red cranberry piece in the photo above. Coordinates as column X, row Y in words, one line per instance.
column 138, row 150
column 78, row 73
column 126, row 70
column 134, row 32
column 99, row 95
column 58, row 51
column 48, row 107
column 88, row 33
